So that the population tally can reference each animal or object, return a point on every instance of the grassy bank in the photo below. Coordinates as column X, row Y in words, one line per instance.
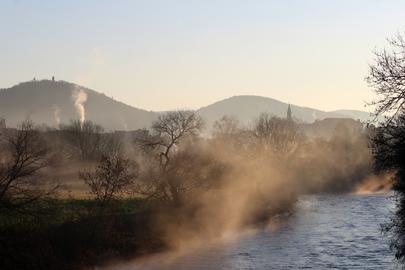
column 75, row 234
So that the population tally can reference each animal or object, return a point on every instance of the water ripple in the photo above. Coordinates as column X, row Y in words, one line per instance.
column 325, row 232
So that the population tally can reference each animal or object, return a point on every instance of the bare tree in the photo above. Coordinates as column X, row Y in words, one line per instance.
column 112, row 179
column 170, row 129
column 168, row 132
column 230, row 138
column 389, row 148
column 85, row 139
column 387, row 78
column 23, row 156
column 226, row 126
column 193, row 171
column 275, row 134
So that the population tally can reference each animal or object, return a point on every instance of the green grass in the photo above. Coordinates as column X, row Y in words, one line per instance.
column 58, row 211
column 72, row 234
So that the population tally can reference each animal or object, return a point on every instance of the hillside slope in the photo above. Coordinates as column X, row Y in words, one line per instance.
column 49, row 102
column 45, row 101
column 246, row 108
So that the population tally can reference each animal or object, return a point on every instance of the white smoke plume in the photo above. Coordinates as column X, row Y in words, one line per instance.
column 79, row 98
column 314, row 116
column 56, row 115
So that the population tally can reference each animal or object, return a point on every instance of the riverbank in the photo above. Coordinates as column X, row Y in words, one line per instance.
column 324, row 232
column 74, row 235
column 77, row 234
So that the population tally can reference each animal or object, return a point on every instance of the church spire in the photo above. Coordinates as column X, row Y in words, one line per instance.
column 289, row 114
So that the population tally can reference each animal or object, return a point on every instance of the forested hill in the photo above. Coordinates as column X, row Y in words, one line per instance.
column 48, row 102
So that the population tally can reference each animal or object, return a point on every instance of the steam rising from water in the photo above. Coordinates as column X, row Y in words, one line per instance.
column 258, row 184
column 79, row 98
column 374, row 184
column 232, row 182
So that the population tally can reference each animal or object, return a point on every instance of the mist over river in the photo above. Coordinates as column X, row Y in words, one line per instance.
column 324, row 232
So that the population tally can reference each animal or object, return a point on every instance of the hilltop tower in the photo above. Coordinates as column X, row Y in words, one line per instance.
column 289, row 114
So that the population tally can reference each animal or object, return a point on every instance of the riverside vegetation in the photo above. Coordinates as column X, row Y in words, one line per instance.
column 170, row 186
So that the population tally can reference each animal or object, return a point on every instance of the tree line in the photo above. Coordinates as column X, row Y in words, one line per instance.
column 387, row 79
column 160, row 187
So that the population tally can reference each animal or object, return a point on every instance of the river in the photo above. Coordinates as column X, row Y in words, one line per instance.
column 324, row 232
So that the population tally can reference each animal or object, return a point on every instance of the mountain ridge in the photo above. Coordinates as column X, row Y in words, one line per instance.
column 247, row 107
column 45, row 101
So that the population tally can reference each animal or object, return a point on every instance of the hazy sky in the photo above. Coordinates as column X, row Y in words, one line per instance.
column 161, row 55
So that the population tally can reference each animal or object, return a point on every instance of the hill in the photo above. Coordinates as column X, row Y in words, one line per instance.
column 246, row 108
column 355, row 114
column 49, row 102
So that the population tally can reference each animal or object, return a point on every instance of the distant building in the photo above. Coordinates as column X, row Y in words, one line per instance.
column 289, row 113
column 330, row 127
column 2, row 123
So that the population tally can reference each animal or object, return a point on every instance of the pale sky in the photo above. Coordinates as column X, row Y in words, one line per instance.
column 161, row 55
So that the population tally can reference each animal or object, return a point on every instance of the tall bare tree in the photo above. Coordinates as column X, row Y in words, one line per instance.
column 387, row 78
column 24, row 154
column 170, row 129
column 276, row 135
column 168, row 132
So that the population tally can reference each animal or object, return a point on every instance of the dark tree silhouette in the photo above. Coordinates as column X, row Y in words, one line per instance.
column 112, row 179
column 23, row 155
column 168, row 132
column 387, row 78
column 85, row 139
column 276, row 135
column 170, row 129
column 389, row 154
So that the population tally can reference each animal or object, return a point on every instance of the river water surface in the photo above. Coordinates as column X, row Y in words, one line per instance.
column 324, row 232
